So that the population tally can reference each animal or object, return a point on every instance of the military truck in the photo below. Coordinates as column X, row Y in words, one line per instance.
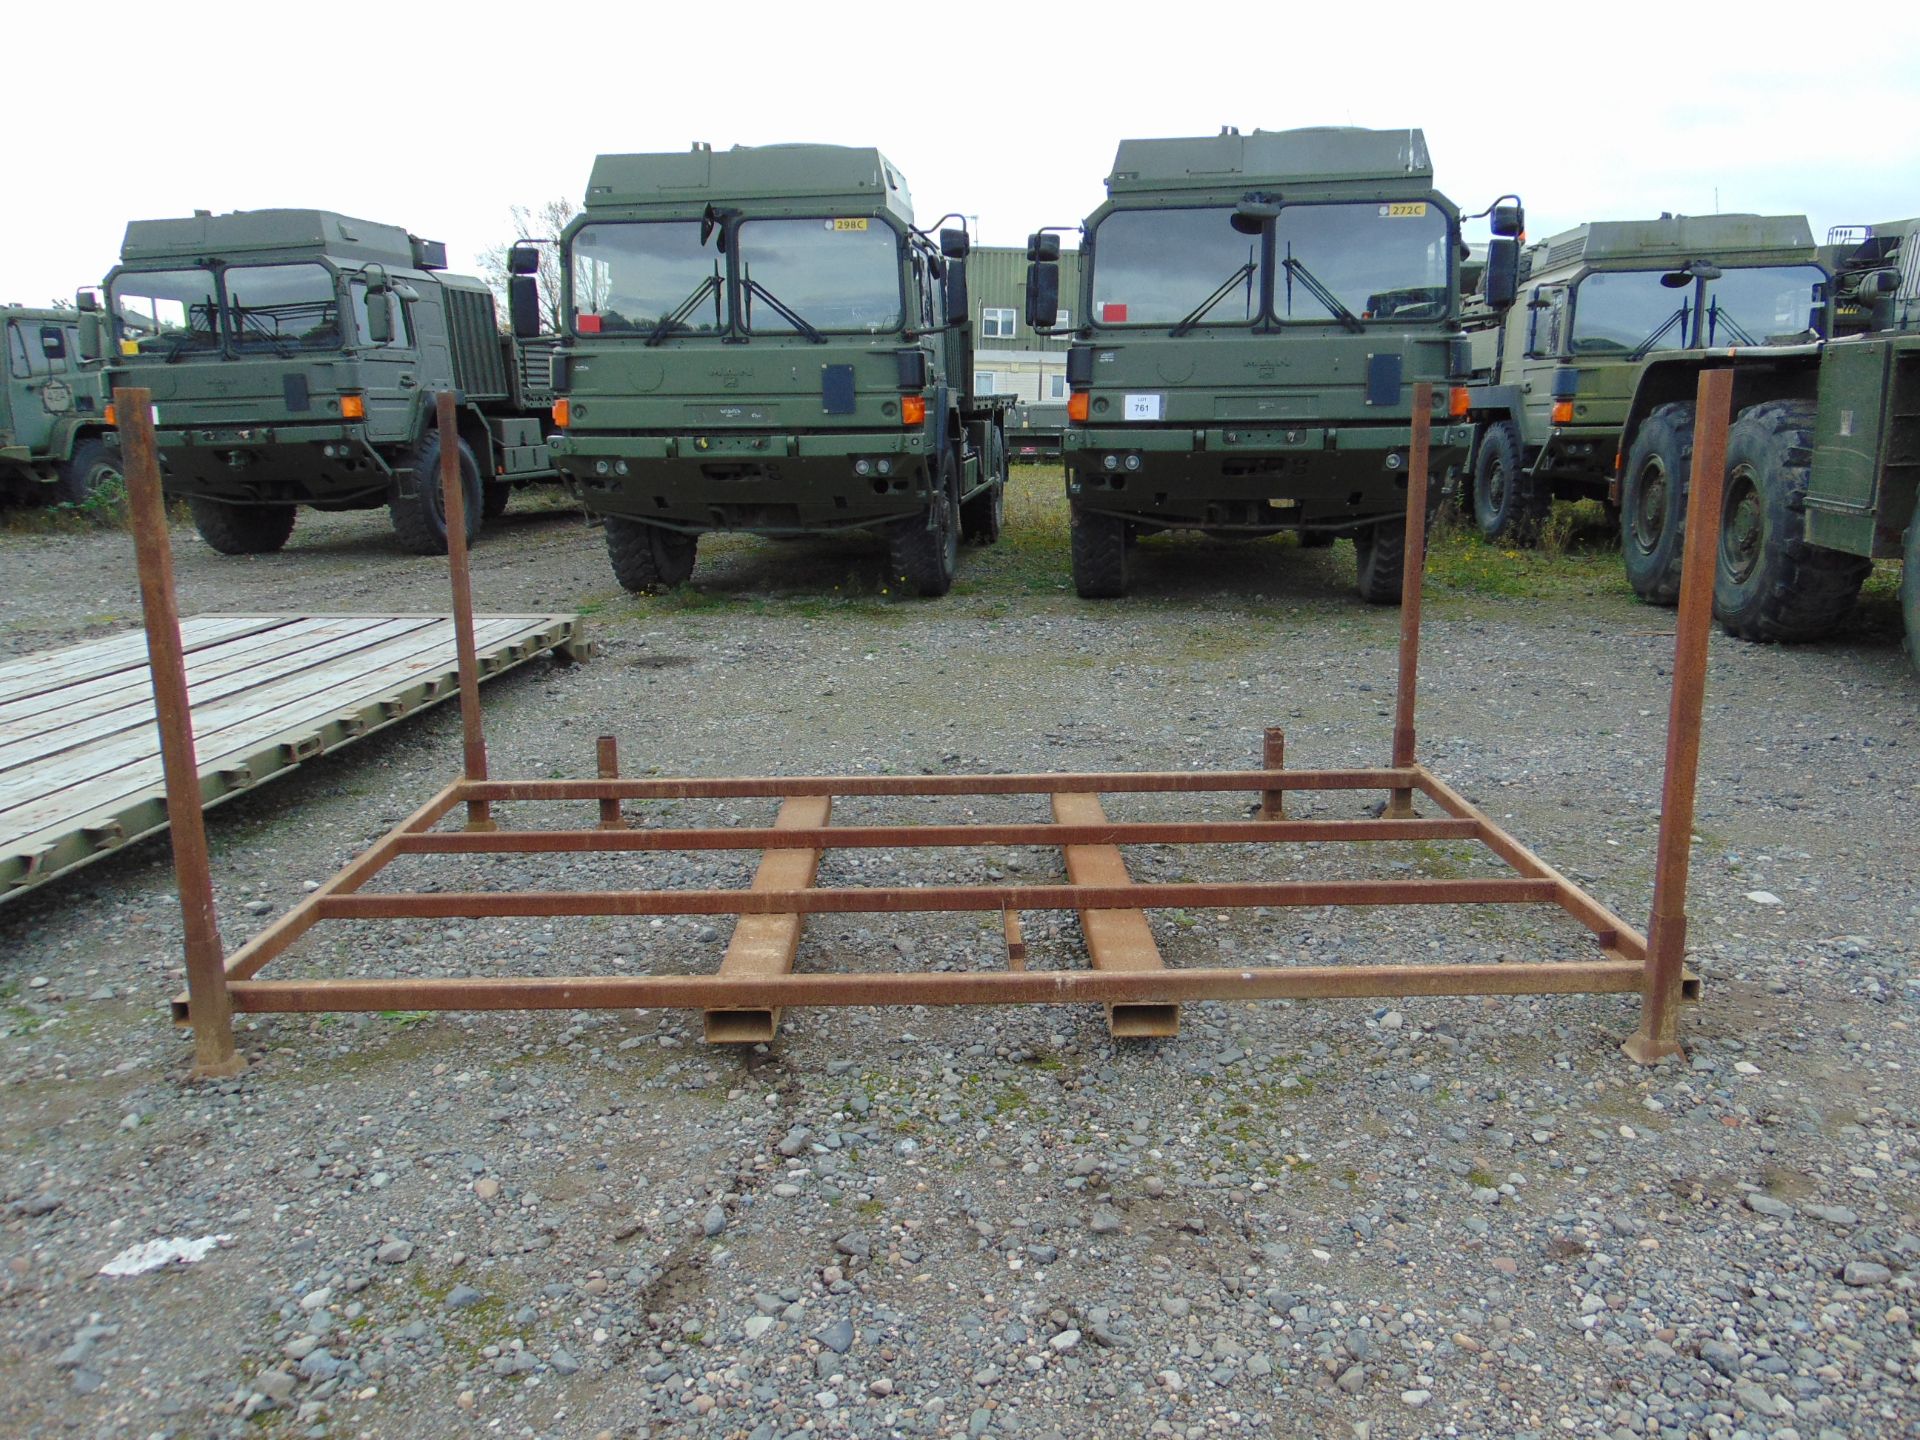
column 1255, row 310
column 1553, row 378
column 293, row 357
column 759, row 339
column 1034, row 431
column 1823, row 459
column 55, row 443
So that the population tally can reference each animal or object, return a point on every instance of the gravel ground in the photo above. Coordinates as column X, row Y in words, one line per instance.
column 1436, row 1218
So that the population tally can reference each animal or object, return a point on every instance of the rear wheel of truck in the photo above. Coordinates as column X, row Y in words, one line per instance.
column 1769, row 583
column 1380, row 561
column 494, row 499
column 1099, row 555
column 649, row 559
column 1508, row 504
column 1653, row 503
column 241, row 529
column 92, row 476
column 420, row 520
column 983, row 517
column 923, row 551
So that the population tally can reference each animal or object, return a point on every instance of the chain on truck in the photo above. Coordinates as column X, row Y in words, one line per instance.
column 1255, row 310
column 55, row 443
column 761, row 340
column 293, row 357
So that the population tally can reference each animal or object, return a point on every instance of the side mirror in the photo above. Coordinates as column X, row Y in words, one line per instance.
column 1043, row 293
column 523, row 306
column 955, row 244
column 523, row 260
column 958, row 305
column 88, row 339
column 1043, row 246
column 1509, row 221
column 86, row 300
column 1501, row 282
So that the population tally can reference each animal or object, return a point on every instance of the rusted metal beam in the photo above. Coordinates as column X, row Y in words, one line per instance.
column 890, row 837
column 1032, row 987
column 1016, row 942
column 454, row 511
column 1117, row 940
column 1575, row 901
column 1661, row 996
column 273, row 941
column 607, row 757
column 1273, row 755
column 899, row 900
column 779, row 787
column 766, row 944
column 1413, row 573
column 214, row 1055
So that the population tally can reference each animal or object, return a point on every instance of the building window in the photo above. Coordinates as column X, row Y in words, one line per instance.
column 996, row 324
column 1063, row 320
column 1057, row 387
column 983, row 382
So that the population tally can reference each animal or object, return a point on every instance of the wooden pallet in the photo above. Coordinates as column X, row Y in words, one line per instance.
column 80, row 770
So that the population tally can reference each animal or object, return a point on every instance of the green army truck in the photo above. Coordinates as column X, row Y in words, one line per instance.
column 1554, row 377
column 293, row 357
column 761, row 340
column 55, row 443
column 1034, row 431
column 1823, row 460
column 1254, row 313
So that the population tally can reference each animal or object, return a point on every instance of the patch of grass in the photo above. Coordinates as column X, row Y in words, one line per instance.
column 1011, row 1100
column 1579, row 554
column 407, row 1019
column 870, row 1209
column 1482, row 1179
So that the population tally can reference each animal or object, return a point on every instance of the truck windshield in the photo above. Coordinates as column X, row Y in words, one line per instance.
column 830, row 274
column 1768, row 302
column 165, row 312
column 1382, row 260
column 1374, row 260
column 646, row 276
column 281, row 307
column 1635, row 313
column 1156, row 267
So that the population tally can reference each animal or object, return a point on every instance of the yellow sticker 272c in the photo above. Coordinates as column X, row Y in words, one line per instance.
column 1404, row 210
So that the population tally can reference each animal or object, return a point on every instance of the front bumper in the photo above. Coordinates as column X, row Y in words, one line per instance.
column 272, row 464
column 768, row 482
column 1256, row 478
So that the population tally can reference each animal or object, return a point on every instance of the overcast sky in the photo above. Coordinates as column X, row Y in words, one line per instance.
column 439, row 119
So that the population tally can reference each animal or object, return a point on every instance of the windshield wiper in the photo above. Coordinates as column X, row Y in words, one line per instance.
column 1678, row 317
column 785, row 311
column 259, row 331
column 1199, row 312
column 1319, row 292
column 676, row 318
column 1717, row 316
column 189, row 340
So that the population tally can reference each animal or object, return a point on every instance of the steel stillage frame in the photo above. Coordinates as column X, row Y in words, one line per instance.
column 756, row 980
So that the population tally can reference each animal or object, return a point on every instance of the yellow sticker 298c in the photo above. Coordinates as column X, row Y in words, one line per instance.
column 1404, row 210
column 858, row 223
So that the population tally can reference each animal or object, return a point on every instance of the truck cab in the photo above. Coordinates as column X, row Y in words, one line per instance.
column 1255, row 311
column 1555, row 374
column 293, row 356
column 55, row 443
column 761, row 340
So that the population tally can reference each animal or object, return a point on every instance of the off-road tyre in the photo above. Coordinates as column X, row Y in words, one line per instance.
column 494, row 499
column 1099, row 555
column 1769, row 583
column 649, row 559
column 1508, row 503
column 1380, row 561
column 984, row 516
column 241, row 529
column 923, row 551
column 420, row 520
column 93, row 473
column 1653, row 503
